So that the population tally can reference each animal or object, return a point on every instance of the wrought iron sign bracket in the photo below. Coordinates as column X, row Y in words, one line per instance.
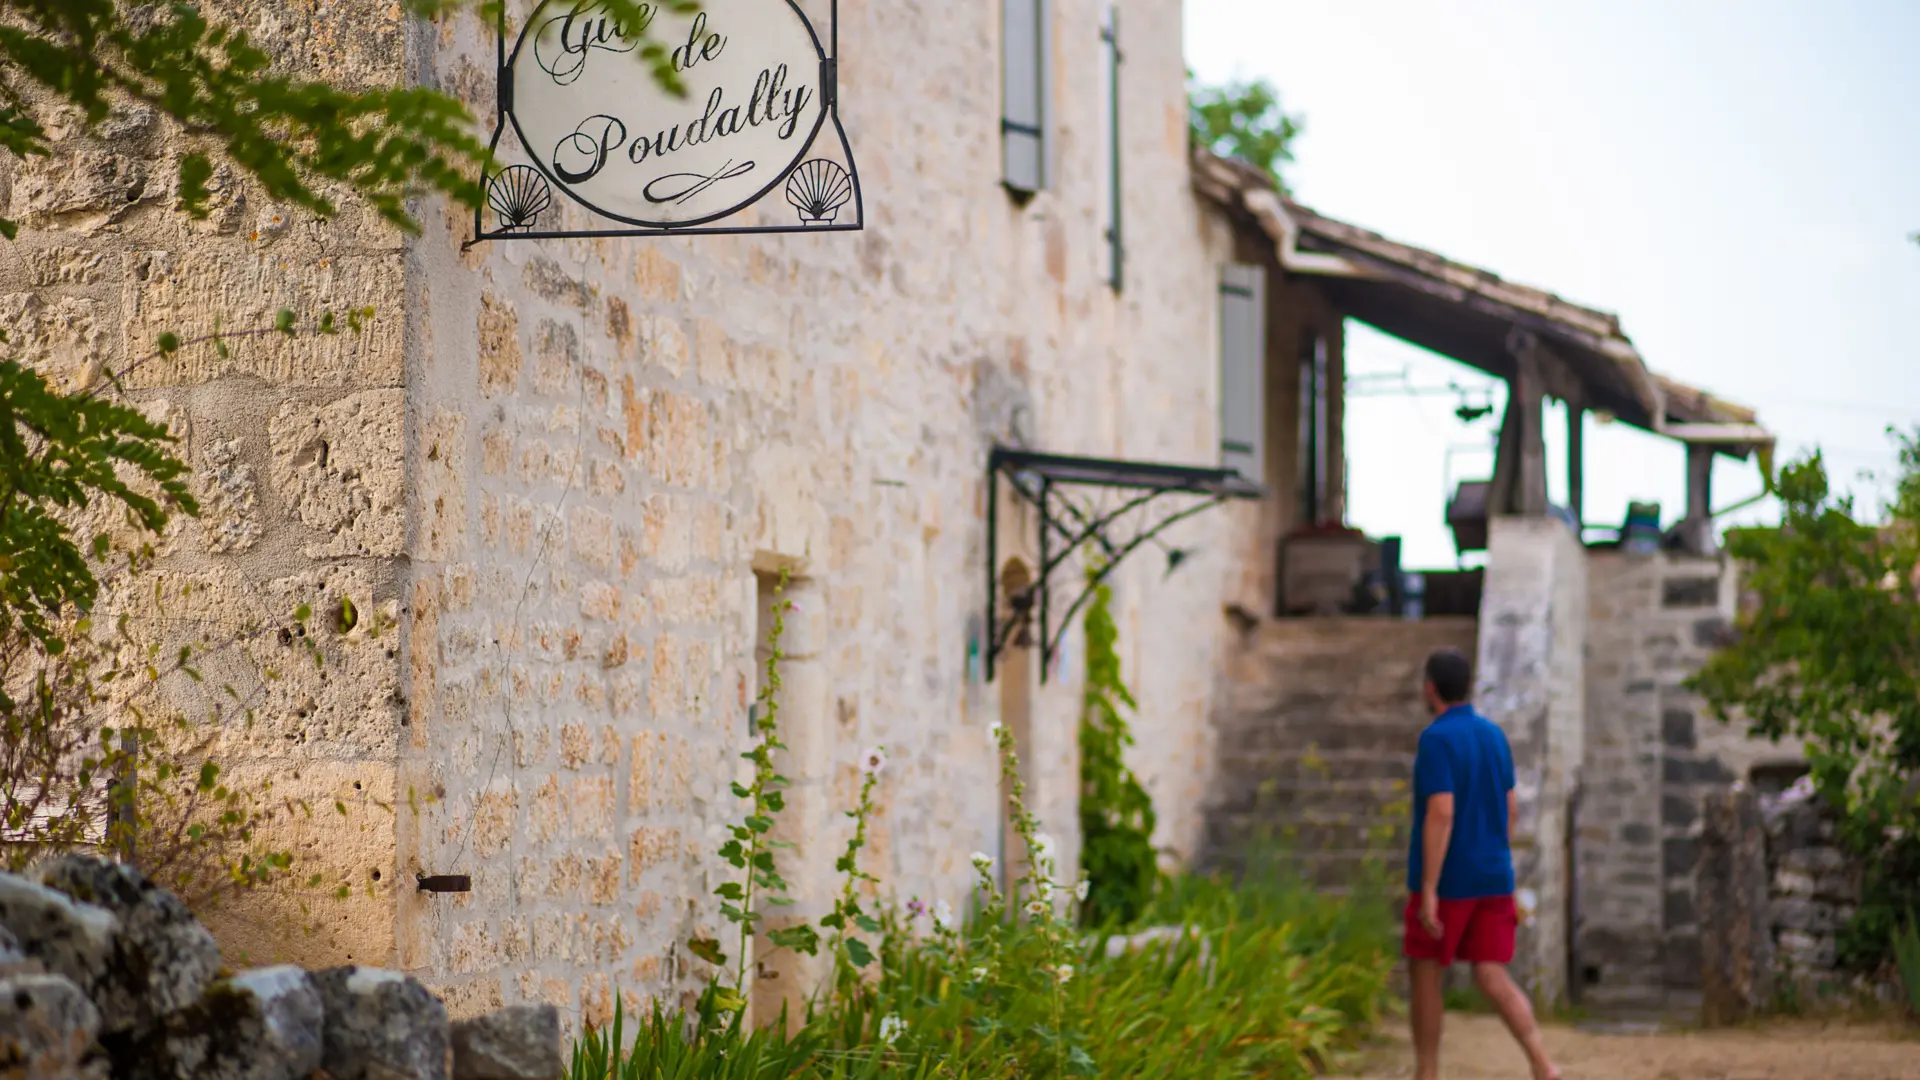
column 1066, row 529
column 749, row 149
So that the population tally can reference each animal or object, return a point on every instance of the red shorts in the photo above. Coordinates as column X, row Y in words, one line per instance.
column 1477, row 931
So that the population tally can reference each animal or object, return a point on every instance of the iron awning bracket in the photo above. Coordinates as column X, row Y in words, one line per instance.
column 1066, row 529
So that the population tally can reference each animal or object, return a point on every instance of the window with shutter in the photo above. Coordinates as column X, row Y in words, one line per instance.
column 1110, row 50
column 1243, row 337
column 1024, row 81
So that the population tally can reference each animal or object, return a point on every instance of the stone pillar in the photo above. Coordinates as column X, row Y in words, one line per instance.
column 1520, row 459
column 1531, row 681
column 1736, row 947
column 1697, row 528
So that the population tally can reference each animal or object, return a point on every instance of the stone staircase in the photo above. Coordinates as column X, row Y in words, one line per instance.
column 1317, row 730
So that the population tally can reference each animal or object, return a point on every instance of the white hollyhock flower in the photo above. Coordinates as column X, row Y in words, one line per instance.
column 1080, row 891
column 943, row 916
column 979, row 974
column 1036, row 908
column 890, row 1029
column 1043, row 848
column 993, row 733
column 873, row 760
column 982, row 861
column 1065, row 972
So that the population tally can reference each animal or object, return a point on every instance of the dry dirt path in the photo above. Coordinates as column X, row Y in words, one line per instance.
column 1478, row 1048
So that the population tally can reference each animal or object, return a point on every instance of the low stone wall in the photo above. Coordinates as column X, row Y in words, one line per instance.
column 1813, row 887
column 1774, row 889
column 105, row 975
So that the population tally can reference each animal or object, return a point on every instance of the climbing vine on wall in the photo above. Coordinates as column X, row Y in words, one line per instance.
column 1116, row 813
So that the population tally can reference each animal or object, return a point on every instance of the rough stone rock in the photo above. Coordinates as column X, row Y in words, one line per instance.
column 47, row 1028
column 13, row 959
column 74, row 940
column 1799, row 913
column 164, row 957
column 264, row 1024
column 1169, row 938
column 381, row 1025
column 521, row 1042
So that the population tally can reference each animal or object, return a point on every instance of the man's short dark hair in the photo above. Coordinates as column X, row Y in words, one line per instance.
column 1451, row 675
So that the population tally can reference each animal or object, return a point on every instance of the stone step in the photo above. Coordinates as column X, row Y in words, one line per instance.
column 1282, row 799
column 1372, row 735
column 1334, row 766
column 1329, row 697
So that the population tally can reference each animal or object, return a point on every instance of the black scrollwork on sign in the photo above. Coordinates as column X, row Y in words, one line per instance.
column 588, row 147
column 682, row 186
column 565, row 41
column 518, row 196
column 818, row 189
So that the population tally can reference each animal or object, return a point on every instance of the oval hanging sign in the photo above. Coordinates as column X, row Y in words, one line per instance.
column 600, row 126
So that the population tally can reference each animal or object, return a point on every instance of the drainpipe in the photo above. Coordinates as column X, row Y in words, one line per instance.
column 1265, row 206
column 1655, row 399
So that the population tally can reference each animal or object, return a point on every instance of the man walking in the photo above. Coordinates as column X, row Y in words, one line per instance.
column 1460, row 871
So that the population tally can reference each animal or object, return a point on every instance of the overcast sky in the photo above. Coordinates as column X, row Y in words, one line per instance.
column 1735, row 178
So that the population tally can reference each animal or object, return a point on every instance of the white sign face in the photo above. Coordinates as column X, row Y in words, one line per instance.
column 589, row 110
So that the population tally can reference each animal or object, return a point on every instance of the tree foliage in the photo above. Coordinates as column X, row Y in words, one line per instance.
column 59, row 452
column 1244, row 120
column 1116, row 813
column 1828, row 654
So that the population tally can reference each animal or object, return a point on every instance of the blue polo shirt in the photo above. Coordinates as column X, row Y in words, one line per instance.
column 1466, row 755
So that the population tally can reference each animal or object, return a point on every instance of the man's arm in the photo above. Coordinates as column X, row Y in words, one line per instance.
column 1436, row 835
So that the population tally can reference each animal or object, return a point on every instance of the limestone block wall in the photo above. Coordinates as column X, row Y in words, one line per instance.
column 1652, row 754
column 1317, row 723
column 297, row 446
column 1530, row 679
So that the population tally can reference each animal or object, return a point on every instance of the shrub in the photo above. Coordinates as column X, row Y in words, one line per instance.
column 1828, row 655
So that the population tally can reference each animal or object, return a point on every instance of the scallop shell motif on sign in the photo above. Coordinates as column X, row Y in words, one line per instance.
column 818, row 189
column 518, row 196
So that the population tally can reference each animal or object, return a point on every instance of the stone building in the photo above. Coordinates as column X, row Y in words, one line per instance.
column 1584, row 636
column 559, row 481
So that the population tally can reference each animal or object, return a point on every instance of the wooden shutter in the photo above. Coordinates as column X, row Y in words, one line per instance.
column 1243, row 351
column 1110, row 49
column 1313, row 428
column 1024, row 82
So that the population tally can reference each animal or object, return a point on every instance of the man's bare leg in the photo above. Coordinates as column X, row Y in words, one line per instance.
column 1499, row 987
column 1426, row 1013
